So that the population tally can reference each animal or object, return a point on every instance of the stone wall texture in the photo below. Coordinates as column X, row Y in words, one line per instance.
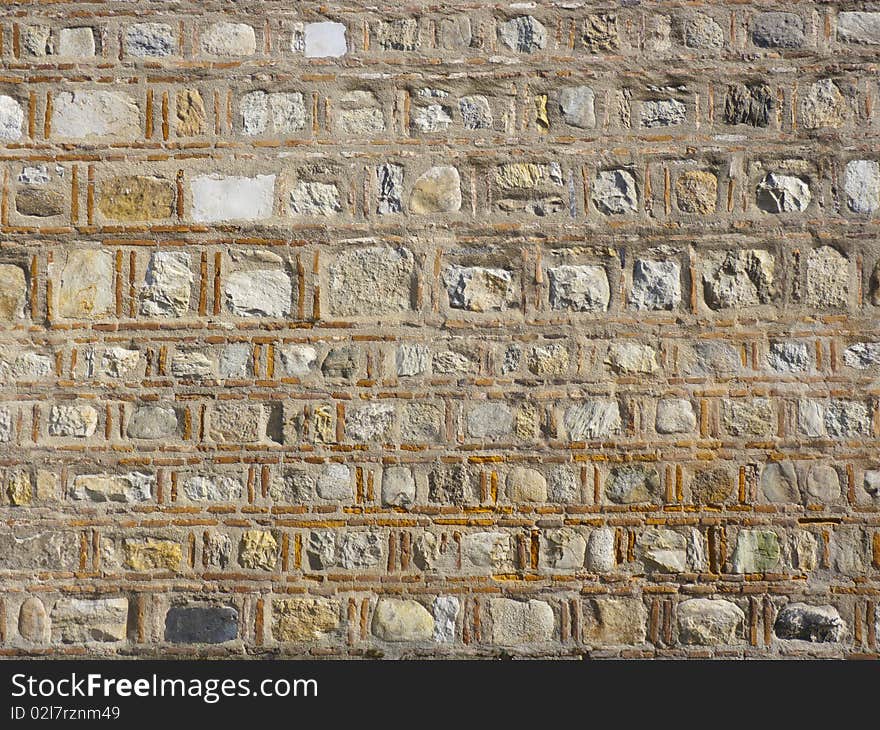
column 440, row 329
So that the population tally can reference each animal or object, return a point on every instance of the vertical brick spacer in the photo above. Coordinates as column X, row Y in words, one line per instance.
column 166, row 130
column 74, row 194
column 259, row 619
column 4, row 203
column 90, row 196
column 218, row 265
column 149, row 115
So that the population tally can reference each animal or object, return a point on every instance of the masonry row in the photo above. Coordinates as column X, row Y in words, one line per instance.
column 420, row 485
column 434, row 110
column 779, row 192
column 391, row 283
column 393, row 361
column 389, row 624
column 552, row 32
column 820, row 553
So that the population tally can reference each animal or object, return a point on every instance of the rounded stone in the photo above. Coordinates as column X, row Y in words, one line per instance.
column 823, row 483
column 526, row 485
column 33, row 622
column 402, row 620
column 437, row 191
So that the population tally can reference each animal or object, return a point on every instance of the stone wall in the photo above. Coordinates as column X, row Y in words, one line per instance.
column 441, row 330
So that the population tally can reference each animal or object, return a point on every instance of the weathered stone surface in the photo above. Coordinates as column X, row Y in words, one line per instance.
column 526, row 485
column 72, row 421
column 696, row 191
column 859, row 27
column 315, row 198
column 390, row 184
column 152, row 422
column 711, row 486
column 655, row 284
column 675, row 415
column 705, row 622
column 85, row 289
column 33, row 622
column 446, row 609
column 489, row 420
column 89, row 113
column 29, row 549
column 739, row 278
column 861, row 183
column 519, row 622
column 577, row 104
column 614, row 192
column 272, row 113
column 779, row 483
column 778, row 193
column 76, row 42
column 478, row 289
column 167, row 284
column 592, row 419
column 402, row 620
column 614, row 621
column 549, row 360
column 13, row 292
column 150, row 40
column 131, row 487
column 11, row 118
column 524, row 34
column 788, row 357
column 236, row 421
column 370, row 422
column 663, row 551
column 76, row 621
column 360, row 113
column 823, row 105
column 476, row 112
column 258, row 293
column 663, row 113
column 748, row 417
column 631, row 483
column 626, row 358
column 229, row 39
column 258, row 550
column 450, row 485
column 398, row 35
column 804, row 622
column 398, row 486
column 701, row 31
column 823, row 483
column 600, row 33
column 298, row 360
column 748, row 104
column 579, row 288
column 756, row 551
column 371, row 281
column 600, row 550
column 778, row 30
column 217, row 198
column 189, row 113
column 39, row 203
column 436, row 191
column 304, row 619
column 827, row 278
column 564, row 549
column 136, row 198
column 152, row 554
column 201, row 624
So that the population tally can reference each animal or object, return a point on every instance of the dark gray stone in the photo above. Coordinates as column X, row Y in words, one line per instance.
column 201, row 624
